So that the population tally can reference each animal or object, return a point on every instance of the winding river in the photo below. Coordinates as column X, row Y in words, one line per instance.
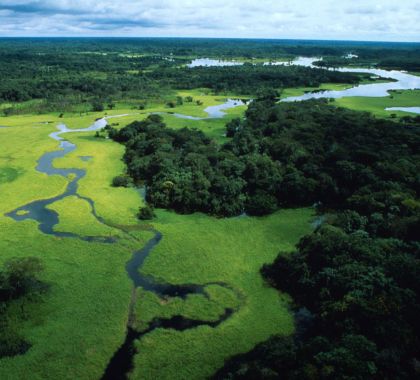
column 122, row 361
column 400, row 81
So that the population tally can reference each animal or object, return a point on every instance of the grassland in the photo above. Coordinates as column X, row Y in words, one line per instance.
column 407, row 98
column 375, row 105
column 298, row 91
column 200, row 249
column 81, row 320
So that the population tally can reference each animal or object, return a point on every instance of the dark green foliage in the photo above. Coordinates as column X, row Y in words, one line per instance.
column 362, row 294
column 19, row 284
column 283, row 155
column 9, row 174
column 357, row 276
column 121, row 181
column 250, row 79
column 146, row 213
column 97, row 106
column 184, row 169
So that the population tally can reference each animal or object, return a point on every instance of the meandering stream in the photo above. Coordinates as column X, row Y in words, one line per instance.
column 122, row 361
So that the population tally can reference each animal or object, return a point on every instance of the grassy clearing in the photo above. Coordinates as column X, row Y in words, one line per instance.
column 195, row 306
column 74, row 208
column 20, row 150
column 78, row 120
column 118, row 205
column 403, row 98
column 298, row 91
column 82, row 318
column 408, row 98
column 200, row 249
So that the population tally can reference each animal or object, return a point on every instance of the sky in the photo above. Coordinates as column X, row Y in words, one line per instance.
column 372, row 20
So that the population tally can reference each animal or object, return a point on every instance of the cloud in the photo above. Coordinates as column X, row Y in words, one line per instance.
column 315, row 19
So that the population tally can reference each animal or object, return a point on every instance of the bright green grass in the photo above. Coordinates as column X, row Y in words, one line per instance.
column 195, row 306
column 20, row 149
column 82, row 120
column 403, row 98
column 298, row 91
column 82, row 318
column 116, row 204
column 201, row 249
column 214, row 128
column 73, row 208
column 407, row 98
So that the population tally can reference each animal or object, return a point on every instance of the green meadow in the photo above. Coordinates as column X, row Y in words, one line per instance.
column 213, row 250
column 81, row 320
column 407, row 98
column 375, row 105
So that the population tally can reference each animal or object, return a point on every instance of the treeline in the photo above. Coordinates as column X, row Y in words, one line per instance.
column 205, row 47
column 280, row 155
column 394, row 61
column 19, row 285
column 250, row 79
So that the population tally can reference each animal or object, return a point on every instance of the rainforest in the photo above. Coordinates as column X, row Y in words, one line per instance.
column 196, row 208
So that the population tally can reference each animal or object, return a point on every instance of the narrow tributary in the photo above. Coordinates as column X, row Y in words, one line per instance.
column 122, row 361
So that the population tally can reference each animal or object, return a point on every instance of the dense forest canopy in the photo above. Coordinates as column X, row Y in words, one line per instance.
column 225, row 47
column 354, row 281
column 280, row 155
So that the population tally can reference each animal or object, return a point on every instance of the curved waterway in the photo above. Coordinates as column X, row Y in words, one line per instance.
column 399, row 81
column 213, row 112
column 122, row 361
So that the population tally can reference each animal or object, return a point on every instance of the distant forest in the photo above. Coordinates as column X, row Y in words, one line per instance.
column 63, row 73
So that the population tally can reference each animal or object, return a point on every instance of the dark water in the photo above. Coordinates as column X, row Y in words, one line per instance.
column 38, row 210
column 85, row 158
column 122, row 361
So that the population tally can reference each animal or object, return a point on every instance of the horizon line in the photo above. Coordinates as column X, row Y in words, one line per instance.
column 211, row 38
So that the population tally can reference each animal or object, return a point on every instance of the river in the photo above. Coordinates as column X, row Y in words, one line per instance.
column 400, row 81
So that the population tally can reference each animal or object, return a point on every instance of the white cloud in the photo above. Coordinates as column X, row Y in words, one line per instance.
column 316, row 19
